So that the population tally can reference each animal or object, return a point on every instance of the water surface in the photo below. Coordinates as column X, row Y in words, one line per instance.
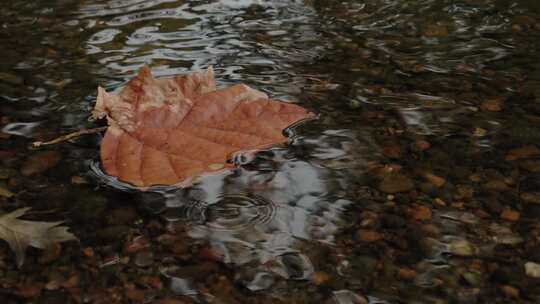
column 417, row 184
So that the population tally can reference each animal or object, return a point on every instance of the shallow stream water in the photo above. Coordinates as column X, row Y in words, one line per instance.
column 418, row 183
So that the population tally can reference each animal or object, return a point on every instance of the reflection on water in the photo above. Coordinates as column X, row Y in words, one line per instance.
column 243, row 40
column 20, row 128
column 266, row 211
column 418, row 183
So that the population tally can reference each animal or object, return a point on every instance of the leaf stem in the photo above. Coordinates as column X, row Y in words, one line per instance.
column 67, row 137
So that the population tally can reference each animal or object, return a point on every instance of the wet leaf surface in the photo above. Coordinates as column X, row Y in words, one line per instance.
column 164, row 132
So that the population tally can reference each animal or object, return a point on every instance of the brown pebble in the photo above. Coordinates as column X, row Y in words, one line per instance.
column 180, row 249
column 199, row 271
column 169, row 301
column 439, row 202
column 153, row 224
column 406, row 274
column 530, row 165
column 431, row 230
column 510, row 291
column 50, row 254
column 14, row 182
column 52, row 285
column 4, row 192
column 435, row 30
column 392, row 151
column 72, row 281
column 420, row 213
column 88, row 252
column 492, row 105
column 464, row 192
column 125, row 215
column 510, row 215
column 144, row 258
column 475, row 177
column 137, row 244
column 481, row 214
column 477, row 264
column 531, row 197
column 395, row 183
column 29, row 290
column 496, row 185
column 365, row 235
column 319, row 277
column 421, row 145
column 522, row 152
column 212, row 254
column 458, row 205
column 152, row 281
column 435, row 180
column 479, row 132
column 516, row 28
column 135, row 294
column 113, row 233
column 167, row 239
column 11, row 78
column 40, row 162
column 78, row 180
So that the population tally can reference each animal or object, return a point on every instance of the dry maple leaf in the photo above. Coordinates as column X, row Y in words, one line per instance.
column 167, row 131
column 20, row 234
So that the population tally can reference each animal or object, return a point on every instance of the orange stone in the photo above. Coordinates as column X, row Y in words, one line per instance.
column 365, row 235
column 421, row 213
column 510, row 215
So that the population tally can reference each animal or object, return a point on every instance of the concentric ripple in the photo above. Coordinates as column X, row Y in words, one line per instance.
column 233, row 212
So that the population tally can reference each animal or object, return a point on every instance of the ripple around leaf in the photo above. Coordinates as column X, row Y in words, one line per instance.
column 232, row 212
column 120, row 7
column 21, row 128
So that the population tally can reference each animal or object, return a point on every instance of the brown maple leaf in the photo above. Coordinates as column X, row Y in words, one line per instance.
column 167, row 131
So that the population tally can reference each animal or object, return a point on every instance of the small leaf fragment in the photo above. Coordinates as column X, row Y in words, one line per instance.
column 20, row 234
column 4, row 192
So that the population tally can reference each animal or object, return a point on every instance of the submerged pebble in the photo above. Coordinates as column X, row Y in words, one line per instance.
column 40, row 162
column 116, row 232
column 4, row 192
column 462, row 248
column 368, row 236
column 420, row 213
column 396, row 183
column 143, row 258
column 532, row 269
column 531, row 197
column 522, row 152
column 493, row 105
column 435, row 180
column 11, row 78
column 510, row 215
column 348, row 297
column 473, row 278
column 510, row 291
column 261, row 281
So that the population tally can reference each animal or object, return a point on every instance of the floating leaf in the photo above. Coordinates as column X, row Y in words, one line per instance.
column 167, row 131
column 20, row 234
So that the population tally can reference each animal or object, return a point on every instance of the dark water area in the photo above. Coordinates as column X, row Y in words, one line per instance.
column 418, row 183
